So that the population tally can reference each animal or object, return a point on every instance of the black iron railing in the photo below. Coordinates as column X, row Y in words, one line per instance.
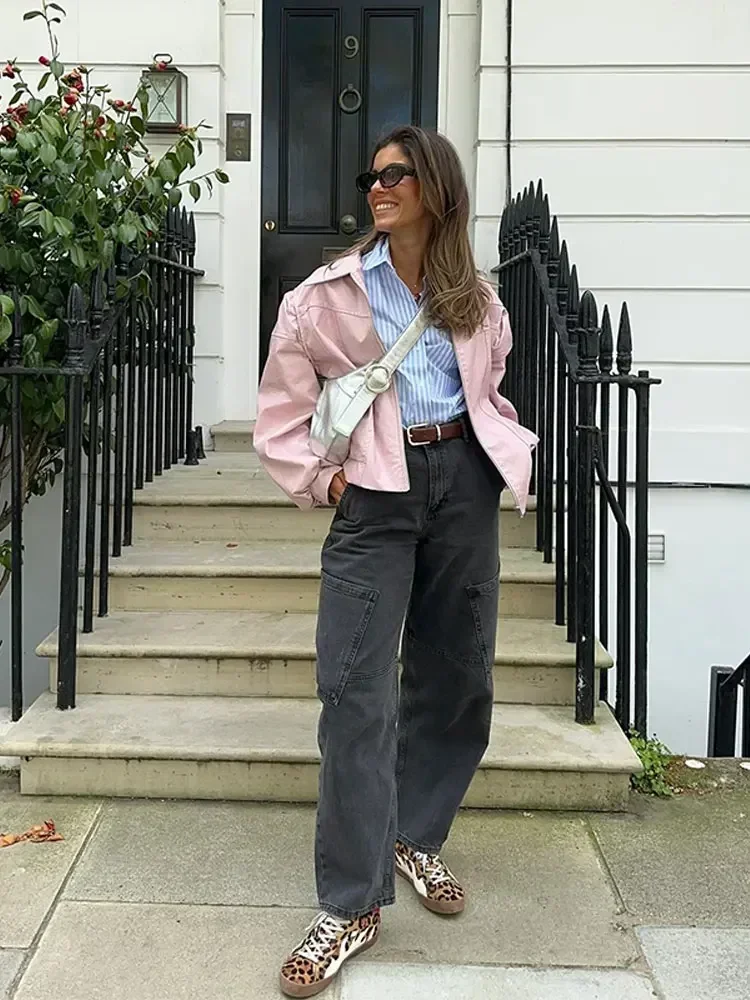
column 127, row 366
column 723, row 710
column 561, row 376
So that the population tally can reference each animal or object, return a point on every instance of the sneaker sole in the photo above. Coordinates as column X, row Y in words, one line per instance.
column 295, row 990
column 445, row 907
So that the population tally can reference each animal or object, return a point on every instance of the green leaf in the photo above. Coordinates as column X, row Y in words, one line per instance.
column 6, row 329
column 48, row 329
column 91, row 209
column 30, row 304
column 127, row 233
column 59, row 409
column 9, row 154
column 78, row 257
column 221, row 177
column 175, row 197
column 47, row 154
column 56, row 6
column 28, row 141
column 3, row 204
column 31, row 14
column 7, row 306
column 195, row 190
column 167, row 170
column 118, row 169
column 97, row 159
column 64, row 227
column 51, row 126
column 47, row 220
column 44, row 81
column 35, row 106
column 138, row 124
column 57, row 69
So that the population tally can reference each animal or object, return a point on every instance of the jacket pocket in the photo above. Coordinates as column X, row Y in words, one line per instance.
column 483, row 599
column 344, row 614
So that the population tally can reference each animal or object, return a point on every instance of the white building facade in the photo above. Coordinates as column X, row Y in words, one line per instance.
column 636, row 118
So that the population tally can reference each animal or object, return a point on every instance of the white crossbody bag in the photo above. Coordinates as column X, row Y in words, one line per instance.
column 344, row 401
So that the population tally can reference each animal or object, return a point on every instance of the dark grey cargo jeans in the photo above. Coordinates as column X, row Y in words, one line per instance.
column 397, row 760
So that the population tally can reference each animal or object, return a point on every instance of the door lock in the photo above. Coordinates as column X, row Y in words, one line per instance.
column 348, row 225
column 269, row 225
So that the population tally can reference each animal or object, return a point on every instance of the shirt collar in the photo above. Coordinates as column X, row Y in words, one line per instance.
column 380, row 254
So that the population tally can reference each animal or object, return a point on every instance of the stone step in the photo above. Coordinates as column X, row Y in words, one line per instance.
column 233, row 435
column 265, row 749
column 256, row 654
column 281, row 577
column 230, row 497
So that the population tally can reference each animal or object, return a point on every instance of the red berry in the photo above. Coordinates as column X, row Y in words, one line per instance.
column 45, row 61
column 161, row 66
column 10, row 71
column 98, row 134
column 119, row 104
column 15, row 196
column 8, row 132
column 101, row 120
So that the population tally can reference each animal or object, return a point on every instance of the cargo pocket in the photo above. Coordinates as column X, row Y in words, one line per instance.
column 344, row 613
column 483, row 599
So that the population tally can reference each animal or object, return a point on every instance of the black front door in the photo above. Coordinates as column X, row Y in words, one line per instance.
column 337, row 74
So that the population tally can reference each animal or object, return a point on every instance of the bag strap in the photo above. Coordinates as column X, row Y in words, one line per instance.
column 393, row 358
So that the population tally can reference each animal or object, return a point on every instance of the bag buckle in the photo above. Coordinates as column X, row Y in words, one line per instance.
column 378, row 378
column 421, row 444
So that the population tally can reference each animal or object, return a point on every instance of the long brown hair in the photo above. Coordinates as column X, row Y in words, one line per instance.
column 458, row 297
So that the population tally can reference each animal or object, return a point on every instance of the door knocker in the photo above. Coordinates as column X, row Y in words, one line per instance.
column 350, row 100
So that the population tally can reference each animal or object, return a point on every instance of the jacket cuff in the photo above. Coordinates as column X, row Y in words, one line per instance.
column 321, row 485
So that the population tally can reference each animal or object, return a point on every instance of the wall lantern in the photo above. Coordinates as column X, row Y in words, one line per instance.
column 167, row 95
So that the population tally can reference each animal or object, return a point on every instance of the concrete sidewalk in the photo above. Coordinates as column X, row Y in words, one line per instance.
column 186, row 900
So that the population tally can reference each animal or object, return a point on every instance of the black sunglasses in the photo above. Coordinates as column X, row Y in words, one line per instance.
column 389, row 177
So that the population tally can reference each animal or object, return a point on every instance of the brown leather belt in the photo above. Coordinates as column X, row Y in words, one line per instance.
column 421, row 434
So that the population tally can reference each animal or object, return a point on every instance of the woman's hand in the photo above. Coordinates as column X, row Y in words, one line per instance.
column 337, row 487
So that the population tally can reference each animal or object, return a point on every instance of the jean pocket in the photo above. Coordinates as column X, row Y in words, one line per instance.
column 483, row 598
column 344, row 613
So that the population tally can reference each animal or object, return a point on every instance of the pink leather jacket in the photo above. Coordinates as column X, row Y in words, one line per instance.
column 325, row 328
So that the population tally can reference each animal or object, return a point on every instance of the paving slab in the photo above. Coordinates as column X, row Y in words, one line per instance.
column 684, row 861
column 369, row 981
column 699, row 964
column 6, row 729
column 122, row 951
column 10, row 963
column 537, row 895
column 196, row 852
column 31, row 874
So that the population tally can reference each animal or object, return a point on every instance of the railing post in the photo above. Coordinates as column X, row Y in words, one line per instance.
column 722, row 714
column 586, row 433
column 606, row 358
column 17, row 500
column 624, row 362
column 71, row 519
column 642, row 398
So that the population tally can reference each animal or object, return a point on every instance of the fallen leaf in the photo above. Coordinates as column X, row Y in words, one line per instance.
column 45, row 833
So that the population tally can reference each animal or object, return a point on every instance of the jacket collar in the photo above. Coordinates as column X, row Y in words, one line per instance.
column 344, row 267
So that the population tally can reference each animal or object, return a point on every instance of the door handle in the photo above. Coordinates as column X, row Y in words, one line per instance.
column 348, row 225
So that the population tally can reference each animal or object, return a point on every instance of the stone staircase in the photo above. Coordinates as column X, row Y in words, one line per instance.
column 200, row 683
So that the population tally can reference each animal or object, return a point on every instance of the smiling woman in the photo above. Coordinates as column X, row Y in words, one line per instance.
column 414, row 539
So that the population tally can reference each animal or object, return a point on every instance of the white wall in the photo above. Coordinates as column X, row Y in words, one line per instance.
column 635, row 115
column 118, row 39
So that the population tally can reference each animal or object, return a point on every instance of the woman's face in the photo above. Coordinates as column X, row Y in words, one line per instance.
column 399, row 207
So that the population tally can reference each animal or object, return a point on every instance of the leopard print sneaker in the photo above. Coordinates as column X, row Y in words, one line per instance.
column 327, row 944
column 438, row 888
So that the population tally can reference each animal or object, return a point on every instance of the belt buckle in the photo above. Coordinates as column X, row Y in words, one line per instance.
column 422, row 444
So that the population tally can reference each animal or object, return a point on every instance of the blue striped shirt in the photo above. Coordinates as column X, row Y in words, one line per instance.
column 428, row 381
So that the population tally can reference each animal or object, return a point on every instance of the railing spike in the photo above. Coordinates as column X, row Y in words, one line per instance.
column 554, row 240
column 624, row 343
column 192, row 232
column 573, row 296
column 564, row 267
column 16, row 344
column 588, row 335
column 606, row 343
column 76, row 327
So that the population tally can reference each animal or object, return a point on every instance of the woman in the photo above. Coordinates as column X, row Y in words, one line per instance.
column 413, row 545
